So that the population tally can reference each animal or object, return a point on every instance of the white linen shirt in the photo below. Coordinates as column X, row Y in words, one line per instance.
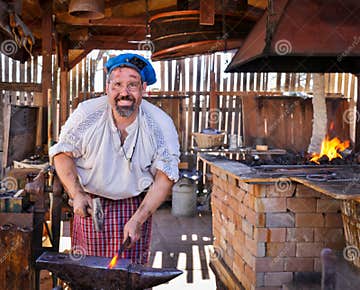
column 103, row 168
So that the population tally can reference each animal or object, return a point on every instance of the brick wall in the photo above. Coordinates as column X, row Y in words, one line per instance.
column 267, row 232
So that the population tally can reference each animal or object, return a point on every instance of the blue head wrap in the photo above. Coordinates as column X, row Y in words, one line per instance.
column 135, row 61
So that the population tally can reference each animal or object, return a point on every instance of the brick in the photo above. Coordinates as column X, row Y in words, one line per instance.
column 233, row 203
column 232, row 180
column 233, row 189
column 260, row 190
column 270, row 234
column 283, row 188
column 238, row 272
column 280, row 249
column 238, row 222
column 300, row 235
column 225, row 255
column 250, row 215
column 249, row 258
column 256, row 248
column 223, row 185
column 242, row 209
column 260, row 279
column 239, row 262
column 260, row 219
column 280, row 220
column 250, row 274
column 215, row 170
column 304, row 191
column 328, row 205
column 277, row 278
column 270, row 204
column 309, row 220
column 245, row 186
column 308, row 249
column 301, row 204
column 248, row 228
column 240, row 194
column 329, row 234
column 269, row 264
column 254, row 218
column 332, row 238
column 239, row 237
column 294, row 264
column 249, row 201
column 333, row 220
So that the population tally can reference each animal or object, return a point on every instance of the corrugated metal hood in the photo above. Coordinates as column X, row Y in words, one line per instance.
column 303, row 36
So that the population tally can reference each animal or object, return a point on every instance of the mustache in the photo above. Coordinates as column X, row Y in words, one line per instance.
column 124, row 98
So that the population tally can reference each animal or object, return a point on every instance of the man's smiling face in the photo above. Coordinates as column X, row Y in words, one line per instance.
column 124, row 88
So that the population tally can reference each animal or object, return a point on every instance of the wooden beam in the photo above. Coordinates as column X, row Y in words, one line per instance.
column 106, row 42
column 118, row 45
column 207, row 12
column 22, row 87
column 46, row 44
column 64, row 77
column 79, row 58
column 65, row 18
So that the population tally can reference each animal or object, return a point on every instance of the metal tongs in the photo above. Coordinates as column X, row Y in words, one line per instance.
column 124, row 246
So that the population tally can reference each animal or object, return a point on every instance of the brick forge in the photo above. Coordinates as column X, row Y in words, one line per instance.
column 266, row 233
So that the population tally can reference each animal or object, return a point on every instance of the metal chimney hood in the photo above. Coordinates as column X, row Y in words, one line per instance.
column 303, row 36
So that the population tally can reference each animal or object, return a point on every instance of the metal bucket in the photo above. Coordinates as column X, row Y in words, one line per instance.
column 184, row 198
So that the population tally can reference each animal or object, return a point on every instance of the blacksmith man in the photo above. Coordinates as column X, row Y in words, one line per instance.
column 116, row 147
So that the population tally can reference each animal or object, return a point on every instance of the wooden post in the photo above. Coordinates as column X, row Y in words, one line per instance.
column 49, row 120
column 64, row 76
column 214, row 112
column 356, row 119
column 207, row 12
column 46, row 42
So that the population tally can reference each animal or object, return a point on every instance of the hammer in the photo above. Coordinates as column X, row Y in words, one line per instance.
column 96, row 212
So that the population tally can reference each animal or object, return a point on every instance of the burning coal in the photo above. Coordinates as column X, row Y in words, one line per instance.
column 331, row 148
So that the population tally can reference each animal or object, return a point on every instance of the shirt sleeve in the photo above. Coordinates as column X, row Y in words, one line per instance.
column 168, row 150
column 70, row 139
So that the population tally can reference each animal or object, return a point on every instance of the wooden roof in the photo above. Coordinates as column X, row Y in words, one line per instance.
column 123, row 25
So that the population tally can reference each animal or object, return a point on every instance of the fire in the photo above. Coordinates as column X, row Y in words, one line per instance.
column 330, row 148
column 113, row 262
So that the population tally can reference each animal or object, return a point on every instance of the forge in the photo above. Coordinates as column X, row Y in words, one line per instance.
column 274, row 215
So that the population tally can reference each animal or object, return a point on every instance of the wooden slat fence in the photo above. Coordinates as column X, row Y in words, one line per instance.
column 183, row 90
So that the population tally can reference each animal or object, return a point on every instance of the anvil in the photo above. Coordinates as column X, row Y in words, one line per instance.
column 90, row 272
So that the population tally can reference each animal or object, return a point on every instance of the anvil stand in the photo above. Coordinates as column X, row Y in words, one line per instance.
column 46, row 192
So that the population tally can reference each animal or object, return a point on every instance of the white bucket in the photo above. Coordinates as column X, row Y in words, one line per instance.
column 184, row 198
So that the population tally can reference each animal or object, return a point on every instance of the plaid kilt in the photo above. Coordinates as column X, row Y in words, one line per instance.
column 106, row 243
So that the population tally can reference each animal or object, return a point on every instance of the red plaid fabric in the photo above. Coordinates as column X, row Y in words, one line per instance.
column 106, row 244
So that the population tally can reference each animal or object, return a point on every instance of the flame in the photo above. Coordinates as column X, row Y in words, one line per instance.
column 113, row 262
column 330, row 148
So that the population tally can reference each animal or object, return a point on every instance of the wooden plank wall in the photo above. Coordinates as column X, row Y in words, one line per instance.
column 189, row 77
column 285, row 122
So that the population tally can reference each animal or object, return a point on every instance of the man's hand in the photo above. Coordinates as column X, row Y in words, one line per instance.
column 82, row 204
column 132, row 229
column 157, row 193
column 66, row 170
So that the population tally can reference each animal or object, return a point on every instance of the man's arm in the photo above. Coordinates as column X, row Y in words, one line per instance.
column 156, row 195
column 66, row 170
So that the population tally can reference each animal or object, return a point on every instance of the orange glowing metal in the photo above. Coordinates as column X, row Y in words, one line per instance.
column 330, row 148
column 113, row 262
